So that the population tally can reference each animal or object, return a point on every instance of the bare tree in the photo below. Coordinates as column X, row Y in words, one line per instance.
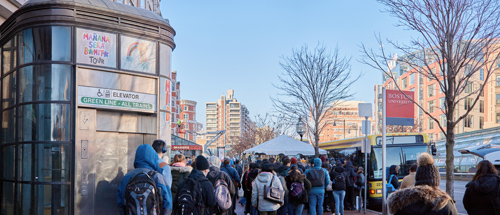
column 417, row 127
column 461, row 37
column 264, row 128
column 311, row 85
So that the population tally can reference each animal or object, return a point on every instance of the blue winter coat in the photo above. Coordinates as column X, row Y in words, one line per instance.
column 146, row 159
column 316, row 190
column 231, row 172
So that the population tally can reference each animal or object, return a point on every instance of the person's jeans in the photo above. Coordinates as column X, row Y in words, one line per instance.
column 283, row 210
column 339, row 196
column 297, row 209
column 316, row 203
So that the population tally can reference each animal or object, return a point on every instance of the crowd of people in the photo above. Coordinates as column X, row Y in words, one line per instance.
column 209, row 185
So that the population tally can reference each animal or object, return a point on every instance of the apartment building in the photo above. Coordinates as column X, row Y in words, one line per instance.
column 175, row 105
column 343, row 122
column 226, row 114
column 188, row 118
column 430, row 96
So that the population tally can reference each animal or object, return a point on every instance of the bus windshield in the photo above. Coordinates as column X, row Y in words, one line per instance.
column 402, row 156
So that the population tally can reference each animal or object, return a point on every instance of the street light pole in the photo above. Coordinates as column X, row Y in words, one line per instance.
column 300, row 127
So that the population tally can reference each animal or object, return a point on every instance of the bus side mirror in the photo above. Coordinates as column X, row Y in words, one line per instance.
column 433, row 150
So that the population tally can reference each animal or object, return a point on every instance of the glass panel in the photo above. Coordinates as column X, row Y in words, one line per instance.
column 7, row 201
column 46, row 43
column 8, row 125
column 9, row 90
column 47, row 82
column 51, row 199
column 44, row 122
column 25, row 161
column 410, row 155
column 8, row 156
column 376, row 160
column 51, row 162
column 24, row 200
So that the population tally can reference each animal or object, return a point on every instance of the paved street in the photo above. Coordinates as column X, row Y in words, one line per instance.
column 459, row 195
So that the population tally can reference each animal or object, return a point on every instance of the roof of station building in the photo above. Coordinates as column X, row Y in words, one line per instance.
column 103, row 5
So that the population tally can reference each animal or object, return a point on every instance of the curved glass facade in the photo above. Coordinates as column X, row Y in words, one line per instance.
column 37, row 128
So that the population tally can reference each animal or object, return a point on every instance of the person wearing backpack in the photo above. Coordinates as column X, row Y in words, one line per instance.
column 246, row 184
column 339, row 186
column 233, row 173
column 351, row 174
column 265, row 179
column 298, row 190
column 319, row 179
column 392, row 180
column 150, row 182
column 224, row 190
column 195, row 195
column 282, row 172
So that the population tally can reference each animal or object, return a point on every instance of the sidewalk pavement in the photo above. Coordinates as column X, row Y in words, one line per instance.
column 240, row 211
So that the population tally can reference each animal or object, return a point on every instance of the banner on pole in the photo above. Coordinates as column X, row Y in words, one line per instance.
column 400, row 109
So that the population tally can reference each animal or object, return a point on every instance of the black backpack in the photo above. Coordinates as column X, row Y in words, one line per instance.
column 142, row 196
column 189, row 198
column 340, row 182
column 317, row 177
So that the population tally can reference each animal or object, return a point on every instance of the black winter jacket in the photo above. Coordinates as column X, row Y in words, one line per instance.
column 335, row 172
column 207, row 190
column 349, row 170
column 420, row 200
column 479, row 193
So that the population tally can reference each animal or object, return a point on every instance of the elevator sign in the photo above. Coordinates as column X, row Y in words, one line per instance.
column 116, row 99
column 400, row 109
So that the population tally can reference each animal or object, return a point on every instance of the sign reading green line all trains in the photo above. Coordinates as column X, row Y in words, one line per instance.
column 116, row 99
column 117, row 103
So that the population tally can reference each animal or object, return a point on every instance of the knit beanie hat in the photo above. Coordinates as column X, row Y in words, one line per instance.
column 293, row 160
column 215, row 161
column 427, row 173
column 323, row 159
column 201, row 163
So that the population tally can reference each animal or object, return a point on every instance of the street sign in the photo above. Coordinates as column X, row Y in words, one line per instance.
column 366, row 146
column 365, row 109
column 366, row 127
column 400, row 110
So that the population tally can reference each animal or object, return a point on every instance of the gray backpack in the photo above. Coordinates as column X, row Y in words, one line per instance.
column 222, row 194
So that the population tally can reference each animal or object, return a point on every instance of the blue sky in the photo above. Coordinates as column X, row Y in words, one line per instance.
column 238, row 44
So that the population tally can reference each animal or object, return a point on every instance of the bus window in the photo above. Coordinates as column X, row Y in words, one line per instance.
column 404, row 139
column 402, row 156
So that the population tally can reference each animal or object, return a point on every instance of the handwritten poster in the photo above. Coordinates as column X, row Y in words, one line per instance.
column 138, row 55
column 95, row 48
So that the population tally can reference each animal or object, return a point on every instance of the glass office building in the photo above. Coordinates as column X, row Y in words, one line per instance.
column 83, row 83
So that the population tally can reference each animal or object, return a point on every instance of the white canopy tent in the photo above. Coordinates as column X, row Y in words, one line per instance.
column 284, row 145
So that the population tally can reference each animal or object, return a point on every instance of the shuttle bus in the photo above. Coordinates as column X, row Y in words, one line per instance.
column 402, row 150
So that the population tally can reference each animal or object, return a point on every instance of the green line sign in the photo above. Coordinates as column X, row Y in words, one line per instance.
column 116, row 103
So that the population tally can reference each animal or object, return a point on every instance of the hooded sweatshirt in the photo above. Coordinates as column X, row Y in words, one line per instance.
column 479, row 193
column 146, row 159
column 264, row 178
column 317, row 190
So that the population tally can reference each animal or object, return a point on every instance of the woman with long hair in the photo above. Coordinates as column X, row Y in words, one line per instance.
column 180, row 170
column 482, row 189
column 297, row 198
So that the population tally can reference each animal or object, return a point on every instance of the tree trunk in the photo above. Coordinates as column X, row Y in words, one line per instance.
column 316, row 147
column 450, row 159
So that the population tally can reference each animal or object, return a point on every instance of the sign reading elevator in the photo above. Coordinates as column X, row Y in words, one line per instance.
column 116, row 99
